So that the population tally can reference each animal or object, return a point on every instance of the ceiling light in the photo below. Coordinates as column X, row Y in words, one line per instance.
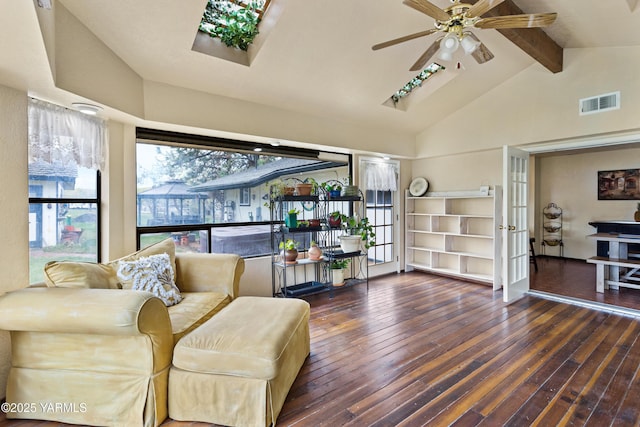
column 469, row 43
column 257, row 149
column 448, row 45
column 275, row 143
column 87, row 108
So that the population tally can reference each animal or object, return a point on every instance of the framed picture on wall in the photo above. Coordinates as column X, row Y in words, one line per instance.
column 621, row 184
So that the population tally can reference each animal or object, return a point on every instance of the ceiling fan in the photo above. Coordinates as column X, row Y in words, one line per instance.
column 456, row 21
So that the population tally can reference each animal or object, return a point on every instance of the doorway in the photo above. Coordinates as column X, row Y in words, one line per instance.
column 379, row 183
column 569, row 179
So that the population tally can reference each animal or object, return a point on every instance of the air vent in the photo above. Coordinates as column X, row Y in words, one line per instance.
column 600, row 103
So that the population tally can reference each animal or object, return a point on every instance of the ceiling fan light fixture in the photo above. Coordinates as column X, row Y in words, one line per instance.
column 448, row 45
column 469, row 43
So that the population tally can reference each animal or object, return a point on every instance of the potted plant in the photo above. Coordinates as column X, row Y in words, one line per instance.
column 337, row 267
column 289, row 251
column 278, row 188
column 335, row 219
column 333, row 188
column 358, row 232
column 307, row 187
column 291, row 219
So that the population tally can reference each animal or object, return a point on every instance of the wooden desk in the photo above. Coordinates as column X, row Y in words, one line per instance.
column 609, row 268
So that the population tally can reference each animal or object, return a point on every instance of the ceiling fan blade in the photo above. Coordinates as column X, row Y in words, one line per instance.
column 482, row 7
column 482, row 54
column 422, row 61
column 403, row 39
column 428, row 8
column 517, row 21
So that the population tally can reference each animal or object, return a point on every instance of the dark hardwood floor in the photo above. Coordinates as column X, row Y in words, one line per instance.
column 418, row 349
column 576, row 279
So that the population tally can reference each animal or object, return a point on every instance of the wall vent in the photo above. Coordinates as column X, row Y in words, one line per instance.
column 600, row 103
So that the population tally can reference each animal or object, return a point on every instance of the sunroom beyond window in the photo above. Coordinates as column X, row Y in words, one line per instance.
column 235, row 22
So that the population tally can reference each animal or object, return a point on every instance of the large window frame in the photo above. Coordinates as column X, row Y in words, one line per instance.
column 148, row 234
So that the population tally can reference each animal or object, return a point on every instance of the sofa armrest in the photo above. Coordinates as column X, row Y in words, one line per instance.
column 203, row 272
column 85, row 311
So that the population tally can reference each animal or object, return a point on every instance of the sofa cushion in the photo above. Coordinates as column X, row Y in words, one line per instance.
column 195, row 309
column 153, row 274
column 166, row 246
column 69, row 274
column 246, row 339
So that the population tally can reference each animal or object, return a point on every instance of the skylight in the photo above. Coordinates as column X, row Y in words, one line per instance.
column 234, row 22
column 416, row 82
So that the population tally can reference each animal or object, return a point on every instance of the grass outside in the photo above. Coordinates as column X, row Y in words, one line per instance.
column 39, row 258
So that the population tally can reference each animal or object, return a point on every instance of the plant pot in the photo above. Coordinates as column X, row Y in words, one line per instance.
column 314, row 222
column 350, row 243
column 303, row 189
column 337, row 276
column 288, row 191
column 335, row 222
column 291, row 220
column 334, row 193
column 315, row 253
column 289, row 256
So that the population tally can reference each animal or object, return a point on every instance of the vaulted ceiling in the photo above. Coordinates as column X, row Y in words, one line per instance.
column 317, row 58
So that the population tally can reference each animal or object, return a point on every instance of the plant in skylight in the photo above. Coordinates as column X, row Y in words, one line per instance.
column 416, row 82
column 234, row 23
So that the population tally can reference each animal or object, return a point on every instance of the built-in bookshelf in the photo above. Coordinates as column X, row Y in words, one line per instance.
column 456, row 234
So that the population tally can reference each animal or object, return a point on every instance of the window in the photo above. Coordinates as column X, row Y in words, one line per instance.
column 414, row 83
column 235, row 22
column 212, row 195
column 245, row 196
column 64, row 186
column 380, row 213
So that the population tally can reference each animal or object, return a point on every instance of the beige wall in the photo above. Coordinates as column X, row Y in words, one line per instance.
column 14, row 251
column 570, row 181
column 461, row 172
column 537, row 106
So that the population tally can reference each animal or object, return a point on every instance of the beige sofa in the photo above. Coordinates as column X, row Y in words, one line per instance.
column 86, row 355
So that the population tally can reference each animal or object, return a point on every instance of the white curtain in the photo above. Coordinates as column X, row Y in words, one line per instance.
column 58, row 135
column 380, row 176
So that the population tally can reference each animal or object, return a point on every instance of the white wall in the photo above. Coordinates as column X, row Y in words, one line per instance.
column 14, row 191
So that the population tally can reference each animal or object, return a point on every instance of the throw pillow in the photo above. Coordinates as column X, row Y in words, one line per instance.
column 166, row 246
column 153, row 274
column 69, row 274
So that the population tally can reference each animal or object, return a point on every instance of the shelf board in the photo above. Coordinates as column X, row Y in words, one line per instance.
column 300, row 261
column 452, row 272
column 424, row 249
column 306, row 288
column 450, row 215
column 457, row 253
column 448, row 233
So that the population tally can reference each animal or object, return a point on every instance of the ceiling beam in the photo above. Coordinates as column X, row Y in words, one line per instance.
column 534, row 41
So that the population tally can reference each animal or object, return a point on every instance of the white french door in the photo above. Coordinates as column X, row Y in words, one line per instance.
column 515, row 232
column 382, row 212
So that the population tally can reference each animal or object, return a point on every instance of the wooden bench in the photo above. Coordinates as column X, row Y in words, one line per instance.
column 602, row 271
